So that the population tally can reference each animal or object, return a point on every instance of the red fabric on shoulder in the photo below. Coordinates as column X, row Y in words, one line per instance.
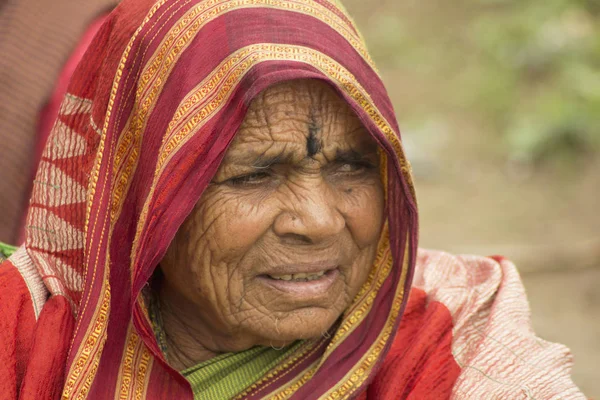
column 49, row 351
column 420, row 364
column 30, row 349
column 17, row 322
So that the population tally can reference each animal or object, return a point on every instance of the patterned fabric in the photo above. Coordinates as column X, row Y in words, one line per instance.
column 493, row 341
column 148, row 116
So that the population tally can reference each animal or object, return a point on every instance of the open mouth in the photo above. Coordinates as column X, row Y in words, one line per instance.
column 309, row 285
column 300, row 277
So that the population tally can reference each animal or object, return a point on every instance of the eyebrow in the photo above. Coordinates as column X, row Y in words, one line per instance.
column 263, row 161
column 350, row 155
column 341, row 156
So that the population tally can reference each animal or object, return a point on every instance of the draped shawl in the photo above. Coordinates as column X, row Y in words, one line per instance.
column 146, row 121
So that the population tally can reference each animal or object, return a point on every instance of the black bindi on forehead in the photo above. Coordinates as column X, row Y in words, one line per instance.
column 313, row 143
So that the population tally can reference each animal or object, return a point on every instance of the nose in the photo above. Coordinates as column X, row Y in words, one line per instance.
column 310, row 215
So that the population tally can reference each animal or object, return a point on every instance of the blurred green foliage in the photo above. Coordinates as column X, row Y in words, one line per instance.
column 531, row 68
column 541, row 74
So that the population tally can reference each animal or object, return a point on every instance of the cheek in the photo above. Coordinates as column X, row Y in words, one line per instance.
column 234, row 223
column 363, row 207
column 204, row 260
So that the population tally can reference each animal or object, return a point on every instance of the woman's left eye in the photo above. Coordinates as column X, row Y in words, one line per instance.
column 351, row 168
column 255, row 178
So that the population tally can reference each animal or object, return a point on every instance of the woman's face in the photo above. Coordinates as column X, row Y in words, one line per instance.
column 284, row 237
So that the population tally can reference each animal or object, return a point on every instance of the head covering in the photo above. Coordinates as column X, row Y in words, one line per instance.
column 146, row 121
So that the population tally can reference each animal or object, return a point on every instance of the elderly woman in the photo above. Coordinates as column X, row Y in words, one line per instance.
column 224, row 210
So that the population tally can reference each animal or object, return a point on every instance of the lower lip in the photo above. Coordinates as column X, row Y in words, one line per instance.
column 313, row 288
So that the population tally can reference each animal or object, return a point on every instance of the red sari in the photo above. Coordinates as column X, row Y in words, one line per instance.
column 147, row 118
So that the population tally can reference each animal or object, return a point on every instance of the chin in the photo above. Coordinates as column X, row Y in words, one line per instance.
column 303, row 324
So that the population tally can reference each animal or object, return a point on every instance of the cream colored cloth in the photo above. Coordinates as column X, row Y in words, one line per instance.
column 493, row 341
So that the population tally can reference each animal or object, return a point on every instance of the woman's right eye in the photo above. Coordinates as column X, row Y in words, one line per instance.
column 255, row 178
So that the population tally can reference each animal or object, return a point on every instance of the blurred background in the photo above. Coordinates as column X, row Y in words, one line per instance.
column 499, row 106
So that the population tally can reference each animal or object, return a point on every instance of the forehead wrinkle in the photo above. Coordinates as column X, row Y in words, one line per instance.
column 295, row 114
column 271, row 156
column 252, row 132
column 261, row 154
column 276, row 122
column 313, row 140
column 329, row 110
column 287, row 120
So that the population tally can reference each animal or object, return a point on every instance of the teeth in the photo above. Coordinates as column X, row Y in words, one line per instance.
column 300, row 277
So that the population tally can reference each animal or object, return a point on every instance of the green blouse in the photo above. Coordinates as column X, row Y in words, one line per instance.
column 225, row 376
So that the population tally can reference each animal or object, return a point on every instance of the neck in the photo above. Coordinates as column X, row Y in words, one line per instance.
column 185, row 340
column 184, row 349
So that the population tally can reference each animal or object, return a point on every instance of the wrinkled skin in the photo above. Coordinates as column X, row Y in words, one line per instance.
column 299, row 185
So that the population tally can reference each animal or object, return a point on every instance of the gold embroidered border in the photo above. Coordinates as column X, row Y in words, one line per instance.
column 142, row 378
column 187, row 27
column 133, row 371
column 282, row 369
column 98, row 161
column 129, row 141
column 357, row 376
column 170, row 11
column 98, row 327
column 125, row 369
column 294, row 385
column 360, row 309
column 95, row 339
column 307, row 7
